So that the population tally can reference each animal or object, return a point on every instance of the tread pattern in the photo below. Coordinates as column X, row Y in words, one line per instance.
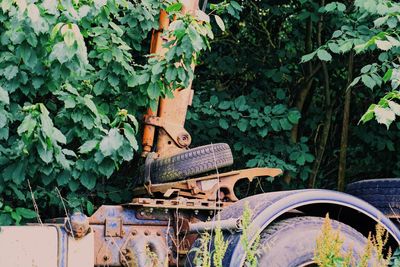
column 384, row 194
column 291, row 242
column 191, row 162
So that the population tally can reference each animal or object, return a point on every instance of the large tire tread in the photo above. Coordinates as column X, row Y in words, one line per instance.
column 291, row 242
column 384, row 193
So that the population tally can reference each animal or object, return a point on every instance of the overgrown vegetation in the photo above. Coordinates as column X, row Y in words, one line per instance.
column 205, row 257
column 329, row 249
column 276, row 110
column 73, row 77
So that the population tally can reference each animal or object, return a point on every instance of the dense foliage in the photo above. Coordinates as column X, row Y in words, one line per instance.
column 274, row 87
column 72, row 76
column 283, row 84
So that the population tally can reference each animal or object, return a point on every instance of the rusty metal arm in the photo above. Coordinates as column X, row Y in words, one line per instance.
column 170, row 116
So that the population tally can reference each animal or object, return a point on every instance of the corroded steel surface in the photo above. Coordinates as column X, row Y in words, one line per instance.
column 211, row 187
column 170, row 115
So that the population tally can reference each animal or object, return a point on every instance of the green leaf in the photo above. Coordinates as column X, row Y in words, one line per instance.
column 45, row 153
column 384, row 116
column 69, row 37
column 334, row 48
column 224, row 105
column 88, row 180
column 240, row 103
column 383, row 45
column 171, row 74
column 285, row 124
column 107, row 167
column 3, row 120
column 63, row 178
column 116, row 28
column 6, row 5
column 87, row 99
column 55, row 30
column 153, row 91
column 18, row 193
column 28, row 125
column 110, row 143
column 134, row 121
column 366, row 68
column 294, row 117
column 301, row 160
column 308, row 57
column 17, row 218
column 59, row 136
column 223, row 124
column 324, row 55
column 10, row 72
column 236, row 5
column 388, row 75
column 157, row 69
column 195, row 38
column 175, row 7
column 394, row 107
column 89, row 208
column 47, row 124
column 337, row 33
column 369, row 115
column 341, row 7
column 278, row 109
column 368, row 81
column 88, row 146
column 26, row 213
column 220, row 22
column 33, row 13
column 354, row 82
column 4, row 96
column 379, row 22
column 330, row 7
column 130, row 135
column 280, row 94
column 242, row 125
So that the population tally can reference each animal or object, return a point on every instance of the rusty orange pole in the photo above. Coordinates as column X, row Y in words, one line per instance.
column 174, row 109
column 155, row 48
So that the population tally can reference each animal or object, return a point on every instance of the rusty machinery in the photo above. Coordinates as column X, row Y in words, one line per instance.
column 164, row 219
column 172, row 204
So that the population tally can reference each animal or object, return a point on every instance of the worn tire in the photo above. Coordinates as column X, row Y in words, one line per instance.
column 384, row 194
column 191, row 162
column 291, row 242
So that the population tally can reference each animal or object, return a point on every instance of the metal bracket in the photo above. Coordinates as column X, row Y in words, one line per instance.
column 180, row 136
column 211, row 187
column 113, row 227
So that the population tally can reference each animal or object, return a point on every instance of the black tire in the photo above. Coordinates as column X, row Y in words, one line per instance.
column 191, row 162
column 384, row 194
column 291, row 242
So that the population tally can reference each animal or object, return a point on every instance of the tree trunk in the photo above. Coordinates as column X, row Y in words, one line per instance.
column 328, row 113
column 326, row 127
column 304, row 90
column 345, row 126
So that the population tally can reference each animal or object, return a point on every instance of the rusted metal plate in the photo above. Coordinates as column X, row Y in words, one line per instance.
column 178, row 203
column 23, row 246
column 80, row 251
column 210, row 188
column 113, row 227
column 110, row 251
